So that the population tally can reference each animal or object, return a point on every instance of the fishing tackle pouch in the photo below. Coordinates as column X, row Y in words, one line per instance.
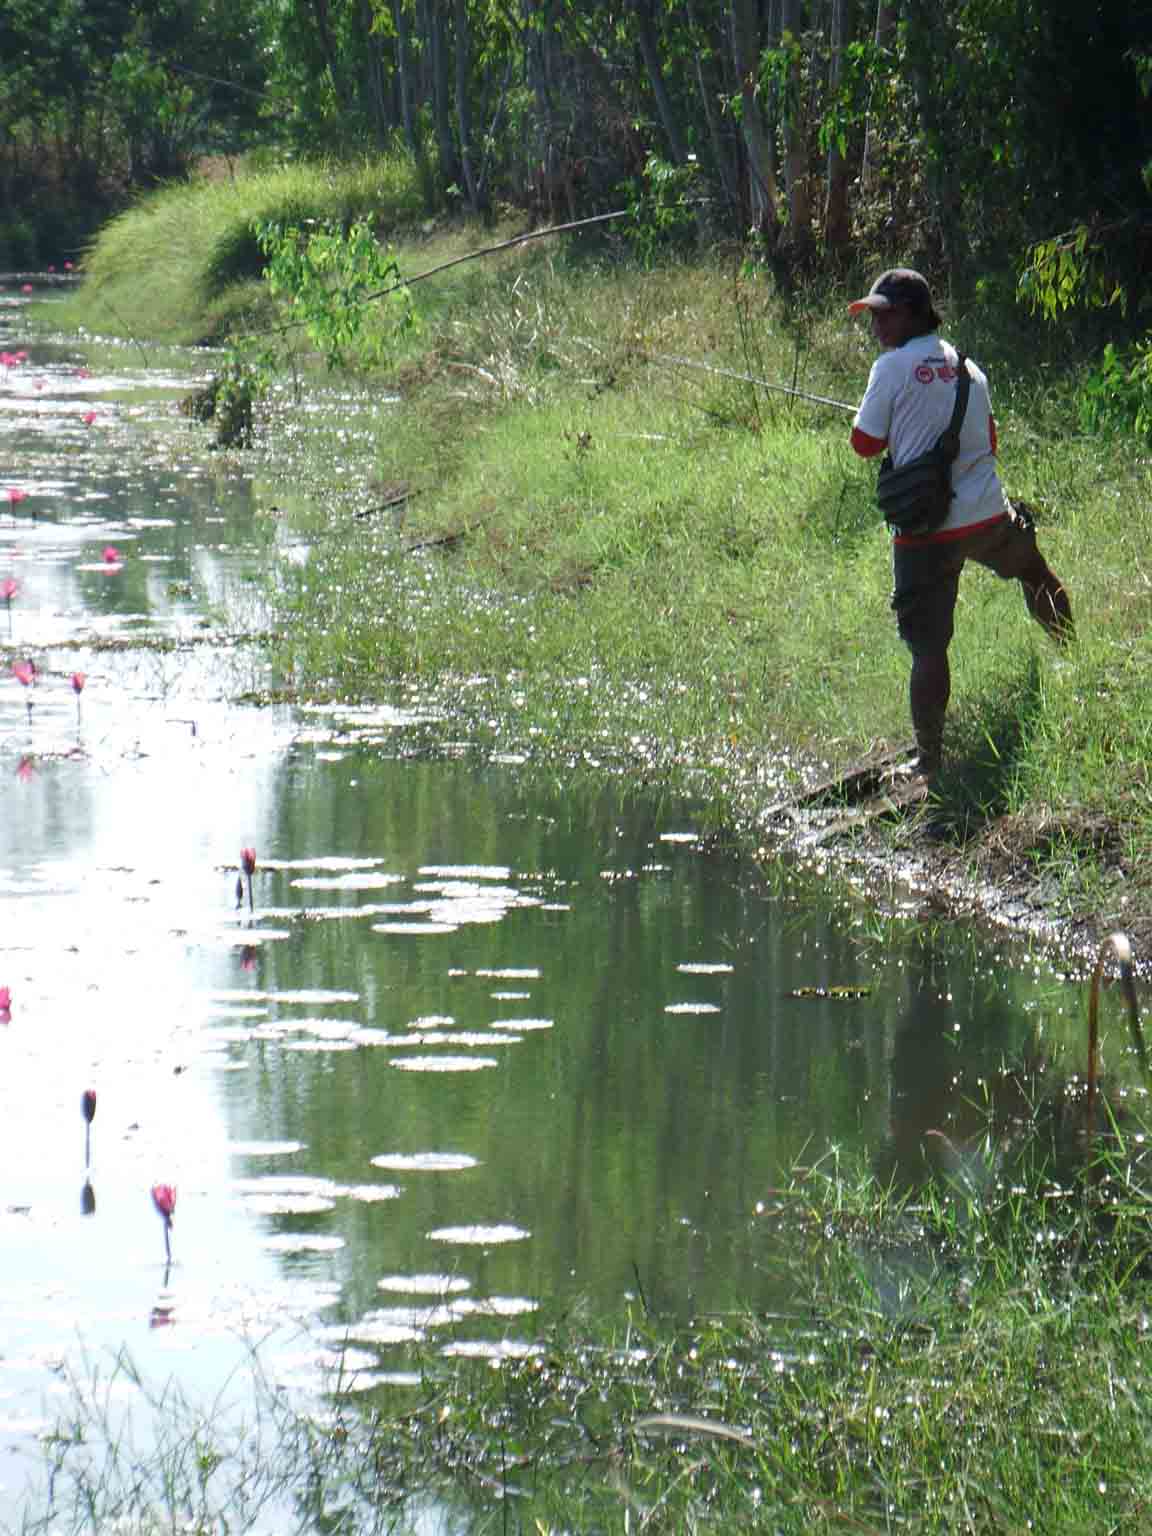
column 916, row 498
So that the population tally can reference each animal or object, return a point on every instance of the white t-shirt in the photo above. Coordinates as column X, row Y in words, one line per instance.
column 908, row 403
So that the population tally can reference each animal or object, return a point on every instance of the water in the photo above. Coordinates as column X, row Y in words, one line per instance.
column 480, row 1049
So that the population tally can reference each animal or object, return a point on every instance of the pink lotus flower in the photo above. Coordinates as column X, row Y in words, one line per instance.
column 51, row 268
column 15, row 497
column 25, row 674
column 8, row 590
column 26, row 769
column 88, row 418
column 67, row 266
column 111, row 555
column 88, row 1110
column 248, row 865
column 25, row 287
column 164, row 1199
column 5, row 999
column 83, row 373
column 78, row 681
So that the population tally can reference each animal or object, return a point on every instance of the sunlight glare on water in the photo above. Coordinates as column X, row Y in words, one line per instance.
column 475, row 1047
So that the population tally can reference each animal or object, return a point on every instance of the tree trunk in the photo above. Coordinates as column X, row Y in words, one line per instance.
column 375, row 92
column 837, row 224
column 796, row 167
column 650, row 53
column 464, row 105
column 436, row 32
column 882, row 37
column 762, row 187
column 725, row 168
column 405, row 77
column 927, row 43
column 328, row 49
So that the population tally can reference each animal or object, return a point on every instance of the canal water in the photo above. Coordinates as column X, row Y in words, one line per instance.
column 470, row 1051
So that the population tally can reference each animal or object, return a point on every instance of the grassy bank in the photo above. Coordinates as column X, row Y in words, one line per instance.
column 630, row 558
column 971, row 1357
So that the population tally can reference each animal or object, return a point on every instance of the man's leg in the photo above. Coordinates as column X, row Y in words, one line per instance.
column 1047, row 600
column 927, row 580
column 929, row 688
column 1010, row 550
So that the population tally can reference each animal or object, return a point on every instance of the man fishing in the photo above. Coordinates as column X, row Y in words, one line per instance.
column 908, row 404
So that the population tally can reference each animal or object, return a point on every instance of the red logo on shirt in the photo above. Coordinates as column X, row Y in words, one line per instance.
column 924, row 374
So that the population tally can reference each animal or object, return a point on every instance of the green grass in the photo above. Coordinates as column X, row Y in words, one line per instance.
column 678, row 568
column 182, row 264
column 971, row 1355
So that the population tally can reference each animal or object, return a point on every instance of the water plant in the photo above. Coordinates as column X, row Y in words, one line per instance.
column 164, row 1200
column 248, row 867
column 88, row 1110
column 9, row 587
column 25, row 674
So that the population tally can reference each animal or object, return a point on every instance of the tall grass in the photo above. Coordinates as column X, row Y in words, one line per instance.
column 972, row 1355
column 183, row 264
column 681, row 566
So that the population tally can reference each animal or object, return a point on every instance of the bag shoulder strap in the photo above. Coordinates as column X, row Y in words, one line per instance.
column 949, row 439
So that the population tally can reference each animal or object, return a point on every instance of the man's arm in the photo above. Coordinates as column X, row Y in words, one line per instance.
column 866, row 445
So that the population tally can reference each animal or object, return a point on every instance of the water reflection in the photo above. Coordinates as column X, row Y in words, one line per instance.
column 456, row 1050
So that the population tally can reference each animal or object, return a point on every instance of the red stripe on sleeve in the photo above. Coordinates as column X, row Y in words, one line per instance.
column 866, row 445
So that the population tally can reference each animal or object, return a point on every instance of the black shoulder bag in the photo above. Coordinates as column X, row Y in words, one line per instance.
column 916, row 498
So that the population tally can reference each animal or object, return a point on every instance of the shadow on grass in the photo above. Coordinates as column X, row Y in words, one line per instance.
column 989, row 741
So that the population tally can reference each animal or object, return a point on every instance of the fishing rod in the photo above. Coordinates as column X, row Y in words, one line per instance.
column 747, row 378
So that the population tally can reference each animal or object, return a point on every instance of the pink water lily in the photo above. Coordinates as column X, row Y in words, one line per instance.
column 88, row 418
column 88, row 1110
column 248, row 865
column 5, row 999
column 78, row 680
column 25, row 287
column 9, row 588
column 15, row 497
column 25, row 674
column 26, row 769
column 164, row 1199
column 111, row 555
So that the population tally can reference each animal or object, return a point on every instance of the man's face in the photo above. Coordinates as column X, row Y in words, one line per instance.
column 894, row 325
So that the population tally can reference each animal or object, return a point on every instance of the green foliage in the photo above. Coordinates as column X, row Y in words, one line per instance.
column 1066, row 272
column 662, row 207
column 175, row 263
column 329, row 275
column 1116, row 395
